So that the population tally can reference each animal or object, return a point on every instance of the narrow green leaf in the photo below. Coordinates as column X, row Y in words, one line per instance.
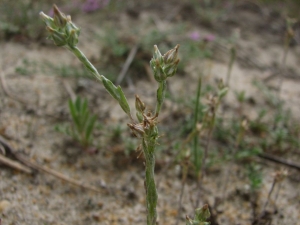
column 78, row 104
column 90, row 127
column 73, row 112
column 123, row 101
column 111, row 88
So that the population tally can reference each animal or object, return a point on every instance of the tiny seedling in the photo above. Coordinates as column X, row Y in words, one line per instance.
column 83, row 123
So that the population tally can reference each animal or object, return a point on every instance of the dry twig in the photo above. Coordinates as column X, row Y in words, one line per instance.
column 29, row 163
column 127, row 64
column 280, row 160
column 15, row 165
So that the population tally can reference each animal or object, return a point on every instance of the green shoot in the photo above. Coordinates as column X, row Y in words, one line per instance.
column 83, row 123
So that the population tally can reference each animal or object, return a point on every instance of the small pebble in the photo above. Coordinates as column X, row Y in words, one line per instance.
column 4, row 206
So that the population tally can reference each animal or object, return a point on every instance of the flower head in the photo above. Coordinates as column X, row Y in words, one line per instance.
column 61, row 29
column 195, row 36
column 164, row 66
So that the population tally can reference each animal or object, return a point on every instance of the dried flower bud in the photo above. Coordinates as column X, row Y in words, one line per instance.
column 139, row 105
column 140, row 108
column 137, row 129
column 171, row 55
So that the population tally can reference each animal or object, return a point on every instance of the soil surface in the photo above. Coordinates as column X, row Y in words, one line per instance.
column 36, row 86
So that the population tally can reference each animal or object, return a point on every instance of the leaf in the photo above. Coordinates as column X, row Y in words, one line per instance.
column 111, row 88
column 90, row 127
column 123, row 102
column 73, row 112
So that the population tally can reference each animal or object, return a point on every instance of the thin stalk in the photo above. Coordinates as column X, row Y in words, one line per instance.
column 269, row 195
column 205, row 155
column 151, row 193
column 289, row 34
column 184, row 175
column 239, row 138
column 79, row 54
column 160, row 96
column 196, row 139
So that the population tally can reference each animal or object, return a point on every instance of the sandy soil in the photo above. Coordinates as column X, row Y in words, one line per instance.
column 39, row 102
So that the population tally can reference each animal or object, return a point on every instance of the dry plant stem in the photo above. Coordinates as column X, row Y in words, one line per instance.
column 35, row 166
column 69, row 90
column 269, row 195
column 279, row 160
column 57, row 174
column 196, row 138
column 203, row 166
column 14, row 165
column 184, row 175
column 267, row 201
column 282, row 70
column 127, row 64
column 277, row 192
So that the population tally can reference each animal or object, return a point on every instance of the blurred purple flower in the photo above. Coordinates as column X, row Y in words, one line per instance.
column 93, row 5
column 195, row 36
column 209, row 37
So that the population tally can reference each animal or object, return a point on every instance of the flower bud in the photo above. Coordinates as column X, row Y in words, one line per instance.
column 58, row 38
column 137, row 129
column 47, row 19
column 140, row 108
column 70, row 26
column 157, row 68
column 139, row 105
column 171, row 55
column 73, row 38
column 157, row 55
column 59, row 18
column 164, row 66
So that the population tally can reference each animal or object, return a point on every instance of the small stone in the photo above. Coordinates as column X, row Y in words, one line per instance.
column 4, row 206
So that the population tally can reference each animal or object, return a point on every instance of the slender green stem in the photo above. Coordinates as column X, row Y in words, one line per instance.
column 116, row 92
column 79, row 54
column 160, row 95
column 151, row 193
